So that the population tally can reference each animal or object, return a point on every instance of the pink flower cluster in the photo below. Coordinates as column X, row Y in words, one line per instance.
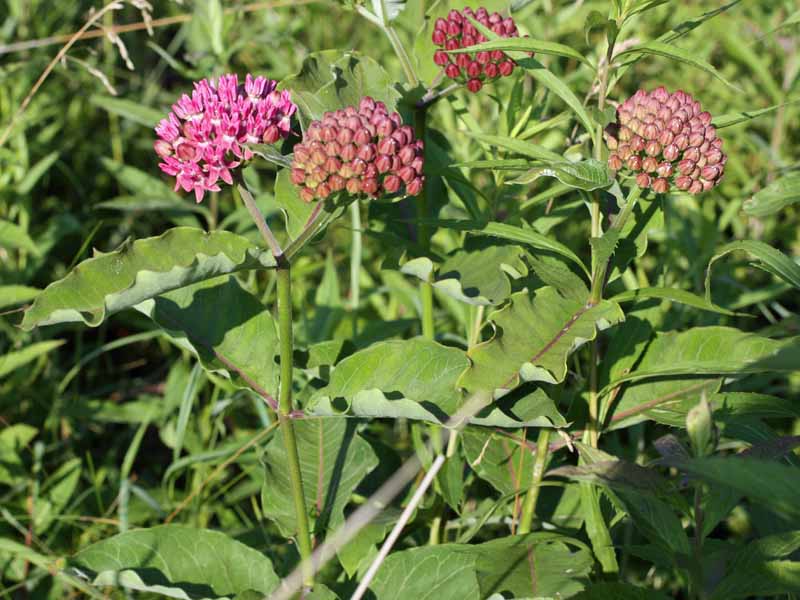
column 206, row 134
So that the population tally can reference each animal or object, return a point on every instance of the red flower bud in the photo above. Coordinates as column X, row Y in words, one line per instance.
column 614, row 162
column 407, row 173
column 298, row 176
column 439, row 37
column 474, row 85
column 332, row 165
column 491, row 70
column 634, row 163
column 392, row 183
column 683, row 182
column 664, row 169
column 271, row 134
column 653, row 148
column 463, row 60
column 367, row 152
column 306, row 194
column 353, row 186
column 643, row 180
column 474, row 69
column 440, row 57
column 452, row 71
column 369, row 185
column 649, row 164
column 660, row 186
column 415, row 187
column 387, row 145
column 336, row 182
column 483, row 57
column 506, row 68
column 407, row 154
column 383, row 163
column 162, row 148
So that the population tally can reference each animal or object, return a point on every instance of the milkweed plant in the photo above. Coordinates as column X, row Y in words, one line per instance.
column 524, row 474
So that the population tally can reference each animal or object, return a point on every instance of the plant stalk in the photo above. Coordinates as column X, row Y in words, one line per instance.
column 423, row 231
column 529, row 508
column 355, row 264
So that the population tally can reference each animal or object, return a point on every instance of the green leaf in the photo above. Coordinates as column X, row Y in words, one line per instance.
column 678, row 366
column 775, row 486
column 36, row 172
column 478, row 277
column 731, row 119
column 56, row 493
column 330, row 80
column 519, row 146
column 128, row 109
column 771, row 260
column 672, row 294
column 658, row 48
column 13, row 440
column 12, row 361
column 333, row 461
column 140, row 270
column 177, row 561
column 618, row 591
column 11, row 295
column 271, row 153
column 754, row 570
column 587, row 175
column 138, row 182
column 534, row 334
column 534, row 565
column 526, row 44
column 776, row 196
column 243, row 335
column 14, row 237
column 499, row 459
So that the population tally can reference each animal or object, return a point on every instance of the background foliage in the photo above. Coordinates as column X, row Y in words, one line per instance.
column 109, row 429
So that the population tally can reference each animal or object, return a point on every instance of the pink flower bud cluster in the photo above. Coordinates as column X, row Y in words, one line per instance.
column 456, row 31
column 206, row 134
column 666, row 140
column 365, row 151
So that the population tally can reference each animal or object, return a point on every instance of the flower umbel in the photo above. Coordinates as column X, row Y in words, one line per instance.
column 366, row 151
column 456, row 31
column 205, row 136
column 666, row 140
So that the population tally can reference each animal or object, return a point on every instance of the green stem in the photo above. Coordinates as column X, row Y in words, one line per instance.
column 529, row 508
column 284, row 284
column 355, row 264
column 697, row 569
column 423, row 232
column 284, row 278
column 405, row 61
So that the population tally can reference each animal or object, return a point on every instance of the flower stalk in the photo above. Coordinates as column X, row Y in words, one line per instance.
column 529, row 507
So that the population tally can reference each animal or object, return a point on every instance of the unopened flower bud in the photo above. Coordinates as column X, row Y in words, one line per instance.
column 660, row 186
column 162, row 148
column 614, row 162
column 452, row 71
column 643, row 180
column 392, row 183
column 415, row 187
column 506, row 68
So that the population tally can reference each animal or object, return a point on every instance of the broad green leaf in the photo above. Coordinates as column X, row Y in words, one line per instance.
column 11, row 295
column 535, row 565
column 774, row 485
column 678, row 367
column 333, row 461
column 11, row 361
column 177, row 561
column 534, row 334
column 534, row 409
column 658, row 48
column 271, row 153
column 243, row 335
column 755, row 570
column 499, row 458
column 519, row 146
column 479, row 277
column 776, row 196
column 329, row 80
column 298, row 214
column 14, row 237
column 526, row 44
column 140, row 270
column 771, row 260
column 587, row 175
column 128, row 109
column 673, row 295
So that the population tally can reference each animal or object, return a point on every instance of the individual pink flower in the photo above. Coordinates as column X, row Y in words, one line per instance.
column 205, row 137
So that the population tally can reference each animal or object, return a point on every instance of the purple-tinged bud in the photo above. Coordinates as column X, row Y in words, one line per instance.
column 474, row 85
column 651, row 131
column 362, row 136
column 348, row 152
column 392, row 183
column 467, row 40
column 271, row 134
column 649, row 164
column 685, row 167
column 187, row 151
column 453, row 28
column 336, row 182
column 367, row 152
column 369, row 185
column 664, row 169
column 660, row 186
column 474, row 69
column 417, row 164
column 614, row 162
column 643, row 180
column 439, row 37
column 387, row 145
column 634, row 163
column 683, row 182
column 506, row 68
column 407, row 173
column 353, row 122
column 705, row 118
column 407, row 154
column 666, row 137
column 714, row 157
column 440, row 24
column 692, row 154
column 298, row 176
column 385, row 127
column 415, row 187
column 345, row 136
column 451, row 44
column 463, row 60
column 696, row 138
column 653, row 148
column 681, row 141
column 710, row 172
column 452, row 71
column 711, row 133
column 162, row 148
column 637, row 143
column 696, row 187
column 483, row 57
column 440, row 57
column 383, row 163
column 328, row 134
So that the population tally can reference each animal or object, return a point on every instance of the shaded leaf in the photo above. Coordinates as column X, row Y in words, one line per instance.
column 587, row 175
column 776, row 196
column 11, row 361
column 527, row 44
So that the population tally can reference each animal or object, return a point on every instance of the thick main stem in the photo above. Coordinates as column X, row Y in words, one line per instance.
column 284, row 277
column 529, row 508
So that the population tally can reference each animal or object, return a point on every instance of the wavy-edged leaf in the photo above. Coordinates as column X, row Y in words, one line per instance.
column 535, row 565
column 139, row 270
column 771, row 260
column 534, row 334
column 680, row 366
column 333, row 461
column 526, row 44
column 478, row 277
column 329, row 80
column 587, row 175
column 240, row 341
column 776, row 196
column 177, row 561
column 674, row 295
column 657, row 48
